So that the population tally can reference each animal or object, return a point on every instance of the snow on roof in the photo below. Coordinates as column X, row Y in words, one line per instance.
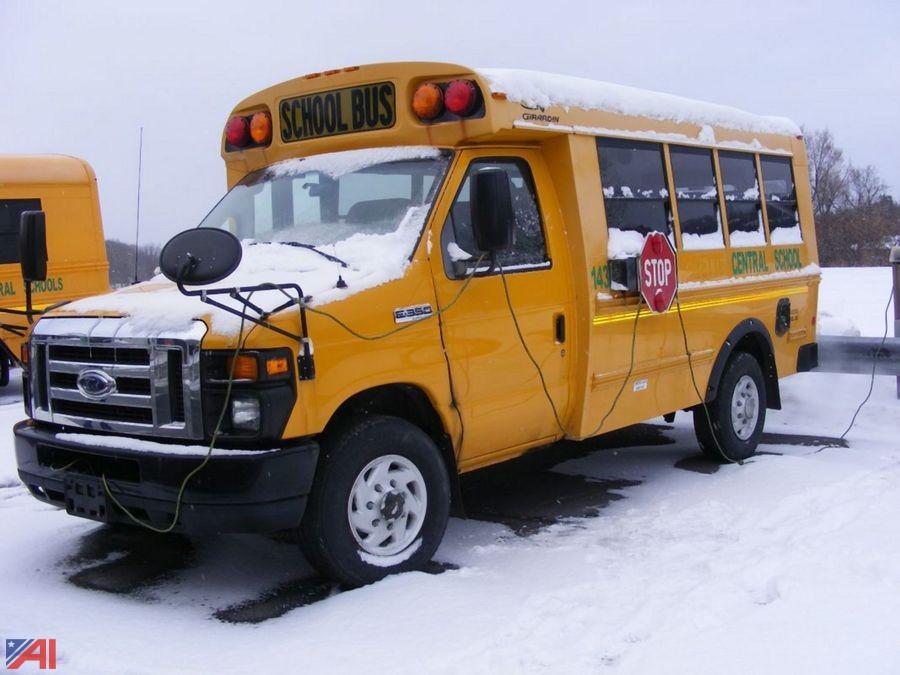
column 534, row 88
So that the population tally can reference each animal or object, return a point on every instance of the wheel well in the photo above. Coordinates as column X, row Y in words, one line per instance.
column 411, row 403
column 752, row 337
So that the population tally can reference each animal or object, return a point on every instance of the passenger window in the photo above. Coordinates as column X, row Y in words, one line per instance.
column 634, row 186
column 10, row 217
column 781, row 200
column 529, row 249
column 697, row 198
column 742, row 207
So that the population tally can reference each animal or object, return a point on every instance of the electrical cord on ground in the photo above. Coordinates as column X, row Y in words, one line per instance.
column 700, row 397
column 531, row 358
column 215, row 435
column 865, row 400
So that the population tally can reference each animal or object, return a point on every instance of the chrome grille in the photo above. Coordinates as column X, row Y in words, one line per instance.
column 157, row 390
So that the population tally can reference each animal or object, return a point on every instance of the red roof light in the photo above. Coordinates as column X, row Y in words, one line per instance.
column 460, row 97
column 237, row 132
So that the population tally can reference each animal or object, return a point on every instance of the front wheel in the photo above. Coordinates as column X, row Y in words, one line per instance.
column 380, row 501
column 729, row 427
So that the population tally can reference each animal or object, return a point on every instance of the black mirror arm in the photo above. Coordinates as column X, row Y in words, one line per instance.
column 305, row 360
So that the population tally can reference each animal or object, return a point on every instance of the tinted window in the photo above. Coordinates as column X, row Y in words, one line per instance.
column 528, row 249
column 10, row 215
column 634, row 185
column 742, row 207
column 697, row 198
column 781, row 199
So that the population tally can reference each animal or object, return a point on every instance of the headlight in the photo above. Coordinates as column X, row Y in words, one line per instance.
column 245, row 413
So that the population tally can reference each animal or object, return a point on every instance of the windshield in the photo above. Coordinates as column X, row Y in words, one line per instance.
column 325, row 199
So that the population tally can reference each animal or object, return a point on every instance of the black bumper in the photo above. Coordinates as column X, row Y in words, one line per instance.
column 236, row 492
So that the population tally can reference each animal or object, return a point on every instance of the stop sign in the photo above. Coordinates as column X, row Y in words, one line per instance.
column 658, row 274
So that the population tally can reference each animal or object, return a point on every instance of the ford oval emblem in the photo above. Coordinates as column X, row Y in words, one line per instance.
column 95, row 384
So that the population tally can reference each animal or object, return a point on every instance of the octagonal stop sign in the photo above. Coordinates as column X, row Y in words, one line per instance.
column 658, row 273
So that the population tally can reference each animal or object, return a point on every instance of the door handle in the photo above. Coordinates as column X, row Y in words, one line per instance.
column 559, row 328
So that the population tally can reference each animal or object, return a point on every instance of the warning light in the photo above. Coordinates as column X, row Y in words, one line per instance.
column 428, row 101
column 261, row 128
column 461, row 97
column 237, row 132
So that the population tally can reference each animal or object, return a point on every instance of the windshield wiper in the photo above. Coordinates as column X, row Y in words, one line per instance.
column 311, row 247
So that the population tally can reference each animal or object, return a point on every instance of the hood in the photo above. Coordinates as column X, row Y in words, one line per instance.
column 157, row 306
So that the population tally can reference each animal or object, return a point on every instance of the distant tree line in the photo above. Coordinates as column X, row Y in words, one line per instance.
column 857, row 221
column 122, row 262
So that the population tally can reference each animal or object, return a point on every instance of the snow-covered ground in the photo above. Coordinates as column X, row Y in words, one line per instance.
column 789, row 563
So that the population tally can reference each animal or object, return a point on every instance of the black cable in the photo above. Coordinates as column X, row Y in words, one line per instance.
column 241, row 341
column 394, row 331
column 531, row 358
column 637, row 315
column 700, row 397
column 859, row 408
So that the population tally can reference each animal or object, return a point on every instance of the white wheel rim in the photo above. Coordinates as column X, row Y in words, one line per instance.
column 745, row 407
column 387, row 505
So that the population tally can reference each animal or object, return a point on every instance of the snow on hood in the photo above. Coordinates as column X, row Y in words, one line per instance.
column 534, row 88
column 373, row 259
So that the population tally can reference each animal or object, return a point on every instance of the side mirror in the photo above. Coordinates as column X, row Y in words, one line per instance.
column 492, row 210
column 33, row 246
column 200, row 256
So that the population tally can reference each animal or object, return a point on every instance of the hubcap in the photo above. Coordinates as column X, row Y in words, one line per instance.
column 387, row 505
column 745, row 407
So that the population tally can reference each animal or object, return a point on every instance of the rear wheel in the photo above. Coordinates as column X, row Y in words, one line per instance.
column 379, row 504
column 729, row 427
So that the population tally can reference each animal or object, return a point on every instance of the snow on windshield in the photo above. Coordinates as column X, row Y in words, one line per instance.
column 364, row 249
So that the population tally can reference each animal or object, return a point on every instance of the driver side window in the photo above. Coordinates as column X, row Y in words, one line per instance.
column 528, row 251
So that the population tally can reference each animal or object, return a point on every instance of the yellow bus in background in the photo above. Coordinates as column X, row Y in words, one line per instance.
column 439, row 269
column 65, row 189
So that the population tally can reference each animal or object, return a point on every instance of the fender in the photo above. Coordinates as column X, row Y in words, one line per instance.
column 752, row 336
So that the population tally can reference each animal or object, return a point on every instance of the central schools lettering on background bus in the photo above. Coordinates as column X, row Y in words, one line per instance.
column 459, row 254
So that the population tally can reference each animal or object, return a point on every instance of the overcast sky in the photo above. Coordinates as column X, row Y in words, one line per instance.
column 80, row 77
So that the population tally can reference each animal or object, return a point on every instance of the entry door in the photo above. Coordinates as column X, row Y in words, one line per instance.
column 498, row 391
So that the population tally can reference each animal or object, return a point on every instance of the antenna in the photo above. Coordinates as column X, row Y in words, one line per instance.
column 137, row 225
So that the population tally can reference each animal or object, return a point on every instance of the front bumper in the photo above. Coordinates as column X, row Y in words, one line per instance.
column 252, row 492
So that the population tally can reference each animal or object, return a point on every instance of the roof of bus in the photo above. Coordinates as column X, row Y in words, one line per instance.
column 44, row 169
column 544, row 90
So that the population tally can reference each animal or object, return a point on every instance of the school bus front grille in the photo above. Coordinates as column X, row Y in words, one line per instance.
column 153, row 383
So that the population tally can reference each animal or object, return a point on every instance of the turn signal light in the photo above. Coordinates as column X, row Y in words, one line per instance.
column 261, row 128
column 244, row 367
column 277, row 365
column 237, row 132
column 428, row 101
column 461, row 97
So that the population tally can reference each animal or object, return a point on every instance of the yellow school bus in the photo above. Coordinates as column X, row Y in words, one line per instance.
column 65, row 189
column 418, row 270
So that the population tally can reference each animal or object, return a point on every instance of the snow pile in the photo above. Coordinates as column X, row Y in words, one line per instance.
column 787, row 235
column 623, row 243
column 152, row 447
column 372, row 259
column 744, row 239
column 537, row 89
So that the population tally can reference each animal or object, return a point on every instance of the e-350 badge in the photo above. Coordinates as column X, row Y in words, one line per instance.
column 412, row 313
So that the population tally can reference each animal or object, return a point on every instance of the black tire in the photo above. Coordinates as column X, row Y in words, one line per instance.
column 325, row 533
column 721, row 441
